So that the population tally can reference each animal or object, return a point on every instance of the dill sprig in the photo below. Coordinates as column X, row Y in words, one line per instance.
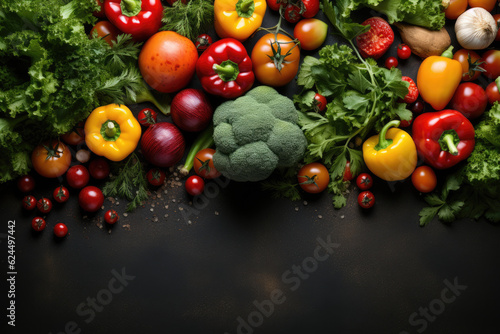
column 189, row 19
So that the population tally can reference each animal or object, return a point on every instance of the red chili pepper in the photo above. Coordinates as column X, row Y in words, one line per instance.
column 225, row 69
column 139, row 18
column 443, row 138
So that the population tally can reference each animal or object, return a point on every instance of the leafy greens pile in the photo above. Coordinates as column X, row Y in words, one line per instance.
column 52, row 75
column 189, row 19
column 473, row 190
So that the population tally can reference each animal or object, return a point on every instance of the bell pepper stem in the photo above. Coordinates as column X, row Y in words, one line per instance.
column 131, row 7
column 245, row 5
column 245, row 8
column 228, row 70
column 448, row 53
column 384, row 142
column 110, row 129
column 449, row 141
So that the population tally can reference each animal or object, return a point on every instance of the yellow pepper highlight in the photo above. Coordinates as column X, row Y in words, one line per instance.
column 392, row 155
column 238, row 18
column 112, row 131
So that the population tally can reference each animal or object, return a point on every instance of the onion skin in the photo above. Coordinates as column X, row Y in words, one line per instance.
column 191, row 110
column 163, row 144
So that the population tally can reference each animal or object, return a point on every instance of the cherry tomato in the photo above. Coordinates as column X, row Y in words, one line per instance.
column 274, row 5
column 266, row 50
column 313, row 178
column 105, row 30
column 404, row 51
column 44, row 205
column 155, row 177
column 470, row 99
column 60, row 230
column 99, row 168
column 38, row 224
column 311, row 33
column 492, row 92
column 147, row 117
column 364, row 181
column 111, row 217
column 497, row 19
column 366, row 199
column 29, row 202
column 486, row 4
column 347, row 172
column 91, row 199
column 76, row 136
column 455, row 9
column 100, row 12
column 319, row 102
column 26, row 183
column 491, row 64
column 417, row 107
column 203, row 41
column 77, row 176
column 471, row 64
column 61, row 194
column 311, row 8
column 195, row 185
column 391, row 62
column 424, row 179
column 292, row 13
column 51, row 159
column 204, row 165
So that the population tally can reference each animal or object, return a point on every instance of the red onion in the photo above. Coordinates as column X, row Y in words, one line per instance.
column 163, row 144
column 191, row 111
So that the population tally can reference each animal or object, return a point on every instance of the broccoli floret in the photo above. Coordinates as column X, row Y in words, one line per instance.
column 255, row 134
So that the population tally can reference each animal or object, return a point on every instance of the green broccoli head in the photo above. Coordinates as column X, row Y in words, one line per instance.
column 255, row 134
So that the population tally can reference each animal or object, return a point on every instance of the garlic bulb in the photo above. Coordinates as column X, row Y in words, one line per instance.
column 476, row 29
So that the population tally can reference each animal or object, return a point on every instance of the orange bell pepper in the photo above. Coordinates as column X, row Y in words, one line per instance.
column 238, row 18
column 437, row 79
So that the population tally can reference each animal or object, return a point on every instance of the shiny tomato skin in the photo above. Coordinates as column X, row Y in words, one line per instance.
column 491, row 64
column 203, row 41
column 364, row 181
column 204, row 165
column 51, row 159
column 292, row 13
column 60, row 230
column 320, row 102
column 313, row 178
column 486, row 4
column 99, row 168
column 404, row 51
column 470, row 99
column 347, row 172
column 75, row 136
column 26, row 183
column 29, row 202
column 168, row 61
column 105, row 30
column 195, row 185
column 455, row 9
column 77, row 176
column 469, row 73
column 424, row 179
column 44, row 205
column 111, row 217
column 61, row 194
column 274, row 5
column 100, row 12
column 366, row 199
column 311, row 8
column 497, row 19
column 311, row 33
column 391, row 62
column 264, row 68
column 91, row 199
column 38, row 224
column 376, row 41
column 492, row 92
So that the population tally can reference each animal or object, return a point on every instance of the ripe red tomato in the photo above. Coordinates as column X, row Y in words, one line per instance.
column 319, row 102
column 292, row 13
column 147, row 117
column 492, row 92
column 455, row 9
column 404, row 51
column 204, row 165
column 311, row 33
column 61, row 194
column 26, row 183
column 203, row 41
column 105, row 30
column 471, row 64
column 195, row 185
column 76, row 136
column 311, row 8
column 60, row 230
column 29, row 202
column 274, row 5
column 375, row 42
column 168, row 61
column 44, row 205
column 391, row 62
column 100, row 12
column 38, row 224
column 366, row 199
column 313, row 178
column 364, row 181
column 497, row 19
column 99, row 168
column 491, row 64
column 91, row 199
column 347, row 172
column 486, row 4
column 470, row 99
column 424, row 179
column 155, row 177
column 111, row 217
column 77, row 176
column 51, row 159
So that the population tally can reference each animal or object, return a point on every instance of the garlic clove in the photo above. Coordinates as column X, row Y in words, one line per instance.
column 475, row 29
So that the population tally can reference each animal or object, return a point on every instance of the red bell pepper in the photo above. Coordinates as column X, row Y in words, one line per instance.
column 443, row 138
column 225, row 69
column 139, row 18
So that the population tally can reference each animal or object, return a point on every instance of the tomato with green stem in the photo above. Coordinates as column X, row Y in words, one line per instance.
column 38, row 224
column 60, row 230
column 111, row 217
column 155, row 177
column 274, row 4
column 311, row 33
column 147, row 117
column 26, row 183
column 61, row 194
column 76, row 136
column 51, row 159
column 424, row 179
column 471, row 64
column 195, row 185
column 44, row 205
column 204, row 165
column 313, row 178
column 29, row 202
column 292, row 13
column 403, row 51
column 364, row 181
column 366, row 199
column 319, row 102
column 311, row 8
column 203, row 41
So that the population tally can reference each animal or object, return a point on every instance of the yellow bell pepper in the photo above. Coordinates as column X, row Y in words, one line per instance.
column 238, row 18
column 112, row 131
column 392, row 155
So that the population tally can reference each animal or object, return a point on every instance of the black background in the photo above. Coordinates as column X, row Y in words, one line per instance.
column 203, row 267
